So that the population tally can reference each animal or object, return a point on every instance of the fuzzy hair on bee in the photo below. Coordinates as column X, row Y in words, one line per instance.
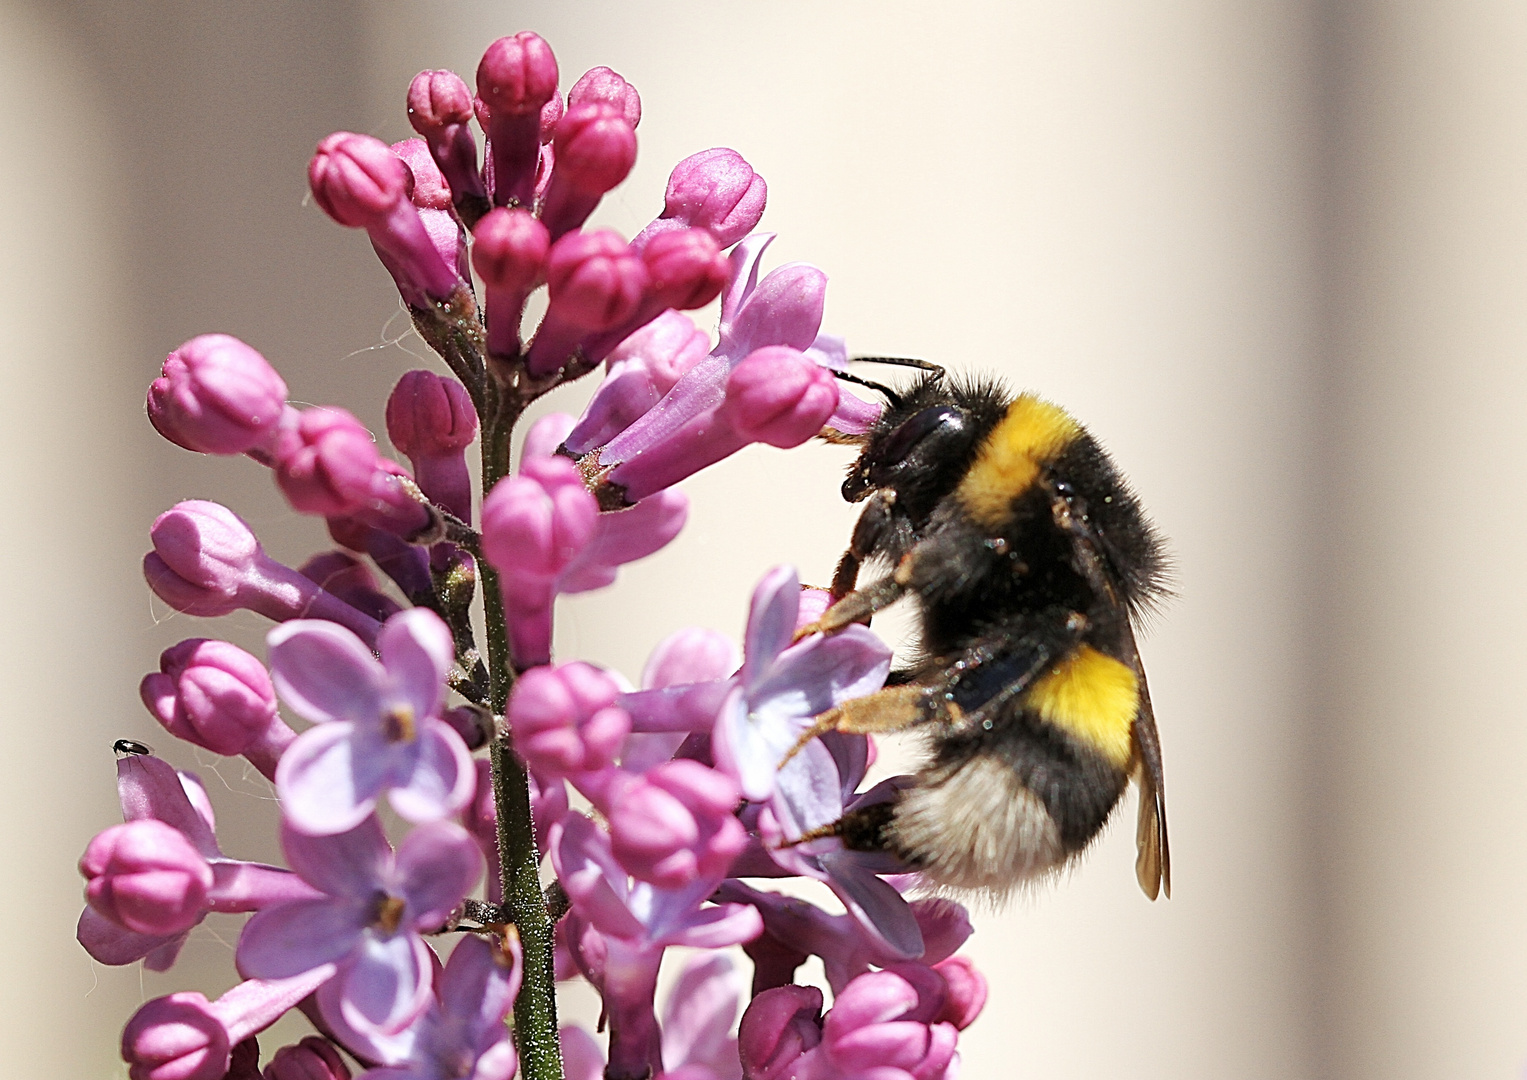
column 1030, row 561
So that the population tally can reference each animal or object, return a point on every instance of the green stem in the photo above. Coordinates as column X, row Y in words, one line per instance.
column 535, row 1009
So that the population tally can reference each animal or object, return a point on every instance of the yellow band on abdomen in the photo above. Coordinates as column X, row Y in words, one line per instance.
column 1093, row 697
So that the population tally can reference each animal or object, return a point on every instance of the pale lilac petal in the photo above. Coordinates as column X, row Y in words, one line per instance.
column 369, row 1045
column 417, row 651
column 692, row 655
column 853, row 415
column 546, row 434
column 717, row 927
column 816, row 674
column 477, row 984
column 148, row 787
column 498, row 1062
column 593, row 880
column 288, row 939
column 163, row 958
column 807, row 793
column 687, row 707
column 742, row 751
column 785, row 309
column 324, row 672
column 831, row 351
column 744, row 260
column 624, row 536
column 387, row 983
column 437, row 864
column 699, row 1013
column 350, row 864
column 582, row 1059
column 108, row 943
column 771, row 622
column 442, row 778
column 324, row 784
column 877, row 906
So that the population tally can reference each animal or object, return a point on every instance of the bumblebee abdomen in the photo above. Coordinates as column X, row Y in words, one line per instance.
column 1007, row 804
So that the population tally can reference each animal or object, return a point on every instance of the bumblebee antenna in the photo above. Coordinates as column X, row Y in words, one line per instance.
column 891, row 396
column 899, row 361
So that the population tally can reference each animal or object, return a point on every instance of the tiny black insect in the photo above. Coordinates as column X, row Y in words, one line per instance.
column 1030, row 559
column 131, row 748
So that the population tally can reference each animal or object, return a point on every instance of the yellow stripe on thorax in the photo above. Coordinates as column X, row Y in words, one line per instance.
column 1032, row 433
column 1093, row 697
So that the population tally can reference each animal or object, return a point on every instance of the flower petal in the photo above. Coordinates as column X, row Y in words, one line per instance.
column 699, row 1012
column 149, row 788
column 325, row 785
column 812, row 676
column 287, row 939
column 324, row 672
column 417, row 651
column 744, row 275
column 593, row 880
column 771, row 623
column 441, row 779
column 742, row 751
column 108, row 943
column 387, row 984
column 717, row 927
column 437, row 864
column 351, row 864
column 879, row 908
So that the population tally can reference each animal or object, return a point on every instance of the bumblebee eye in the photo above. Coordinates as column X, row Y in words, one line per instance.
column 936, row 424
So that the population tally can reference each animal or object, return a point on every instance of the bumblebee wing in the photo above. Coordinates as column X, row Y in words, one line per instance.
column 1003, row 663
column 1153, row 861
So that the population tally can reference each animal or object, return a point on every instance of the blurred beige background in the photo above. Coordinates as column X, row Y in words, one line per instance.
column 1275, row 254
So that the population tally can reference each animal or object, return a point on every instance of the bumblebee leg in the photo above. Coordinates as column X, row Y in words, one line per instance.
column 874, row 527
column 857, row 606
column 895, row 708
column 846, row 575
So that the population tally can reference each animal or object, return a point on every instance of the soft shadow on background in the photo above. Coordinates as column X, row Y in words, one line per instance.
column 1271, row 253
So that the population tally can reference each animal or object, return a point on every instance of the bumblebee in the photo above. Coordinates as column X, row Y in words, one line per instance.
column 1030, row 560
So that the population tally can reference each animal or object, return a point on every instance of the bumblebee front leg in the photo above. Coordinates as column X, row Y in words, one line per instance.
column 875, row 526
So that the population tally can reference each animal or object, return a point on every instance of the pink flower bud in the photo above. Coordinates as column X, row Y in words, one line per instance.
column 595, row 280
column 601, row 84
column 186, row 1037
column 215, row 695
column 327, row 463
column 207, row 562
column 686, row 268
column 551, row 113
column 509, row 250
column 596, row 283
column 565, row 721
column 594, row 147
column 515, row 80
column 778, row 1027
column 361, row 183
column 533, row 526
column 778, row 396
column 216, row 395
column 676, row 823
column 967, row 991
column 176, row 1038
column 145, row 876
column 509, row 253
column 431, row 419
column 314, row 1058
column 517, row 74
column 440, row 109
column 438, row 100
column 357, row 180
column 715, row 190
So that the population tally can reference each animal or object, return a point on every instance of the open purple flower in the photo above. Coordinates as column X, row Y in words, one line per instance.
column 461, row 1033
column 378, row 723
column 369, row 921
column 782, row 686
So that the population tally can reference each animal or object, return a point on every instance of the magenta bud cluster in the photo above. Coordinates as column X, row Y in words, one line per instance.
column 436, row 764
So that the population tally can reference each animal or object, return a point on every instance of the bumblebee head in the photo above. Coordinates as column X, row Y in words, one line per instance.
column 924, row 441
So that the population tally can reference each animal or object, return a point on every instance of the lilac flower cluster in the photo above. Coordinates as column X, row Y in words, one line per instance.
column 686, row 776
